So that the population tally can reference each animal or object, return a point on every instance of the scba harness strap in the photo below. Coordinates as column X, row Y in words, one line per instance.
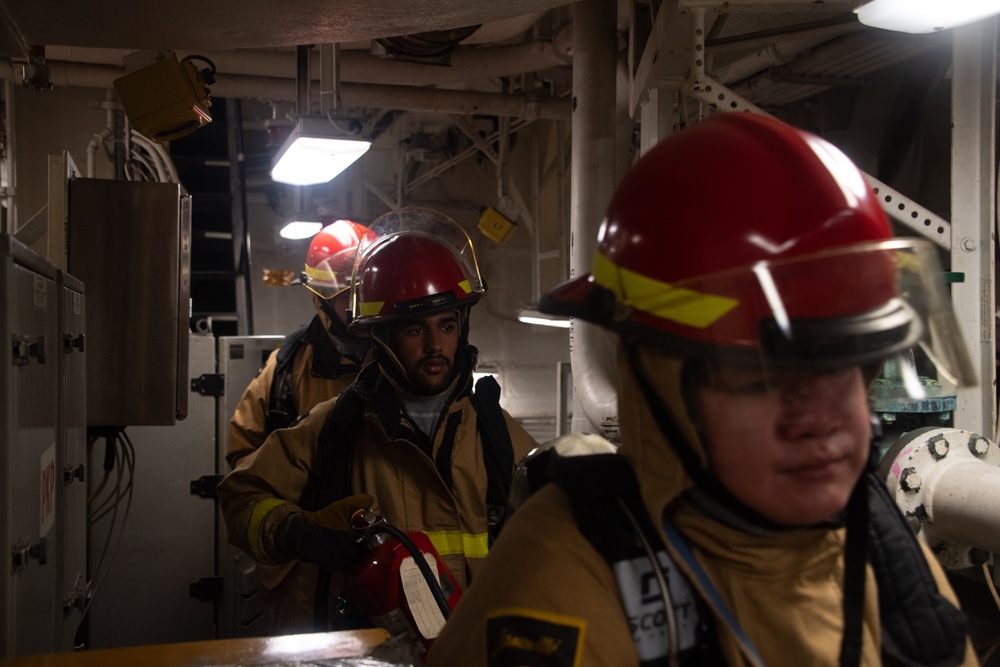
column 328, row 363
column 281, row 410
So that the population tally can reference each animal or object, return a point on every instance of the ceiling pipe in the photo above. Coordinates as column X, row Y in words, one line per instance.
column 359, row 67
column 849, row 57
column 595, row 42
column 409, row 98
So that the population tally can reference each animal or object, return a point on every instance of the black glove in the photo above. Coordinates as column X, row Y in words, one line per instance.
column 333, row 549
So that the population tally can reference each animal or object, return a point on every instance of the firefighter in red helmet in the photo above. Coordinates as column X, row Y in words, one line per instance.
column 317, row 361
column 411, row 437
column 314, row 364
column 754, row 288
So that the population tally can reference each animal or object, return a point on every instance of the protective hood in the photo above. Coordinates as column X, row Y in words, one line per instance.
column 662, row 477
column 348, row 345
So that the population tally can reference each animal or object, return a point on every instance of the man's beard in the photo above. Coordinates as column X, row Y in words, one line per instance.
column 432, row 385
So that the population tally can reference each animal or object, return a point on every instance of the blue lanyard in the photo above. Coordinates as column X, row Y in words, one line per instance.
column 681, row 547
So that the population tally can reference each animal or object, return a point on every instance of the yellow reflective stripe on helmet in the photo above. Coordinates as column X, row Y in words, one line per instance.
column 367, row 309
column 321, row 275
column 449, row 542
column 260, row 512
column 681, row 305
column 466, row 286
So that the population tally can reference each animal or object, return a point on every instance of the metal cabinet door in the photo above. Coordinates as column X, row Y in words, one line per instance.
column 28, row 474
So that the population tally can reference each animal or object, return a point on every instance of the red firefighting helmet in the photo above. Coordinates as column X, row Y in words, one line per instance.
column 330, row 259
column 745, row 238
column 413, row 261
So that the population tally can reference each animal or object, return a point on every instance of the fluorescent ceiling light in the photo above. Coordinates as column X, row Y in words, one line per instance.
column 919, row 16
column 300, row 229
column 529, row 316
column 315, row 152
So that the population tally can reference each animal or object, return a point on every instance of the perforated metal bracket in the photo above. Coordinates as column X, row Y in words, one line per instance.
column 718, row 97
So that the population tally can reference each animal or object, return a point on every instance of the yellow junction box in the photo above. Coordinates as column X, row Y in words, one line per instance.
column 494, row 225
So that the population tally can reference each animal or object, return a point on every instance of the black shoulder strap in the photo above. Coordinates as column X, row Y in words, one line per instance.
column 592, row 484
column 919, row 625
column 498, row 451
column 331, row 481
column 281, row 411
column 331, row 478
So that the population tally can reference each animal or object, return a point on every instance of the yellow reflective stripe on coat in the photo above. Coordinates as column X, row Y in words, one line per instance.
column 260, row 512
column 678, row 304
column 452, row 542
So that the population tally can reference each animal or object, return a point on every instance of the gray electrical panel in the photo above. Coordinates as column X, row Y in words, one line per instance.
column 130, row 244
column 30, row 481
column 240, row 358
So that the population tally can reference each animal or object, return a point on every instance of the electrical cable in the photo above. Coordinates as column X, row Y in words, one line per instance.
column 990, row 584
column 418, row 556
column 124, row 456
column 104, row 480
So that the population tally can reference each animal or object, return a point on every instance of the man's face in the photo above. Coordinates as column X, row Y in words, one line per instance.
column 788, row 444
column 426, row 348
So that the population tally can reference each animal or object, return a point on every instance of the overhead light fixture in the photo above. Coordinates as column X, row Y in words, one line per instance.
column 300, row 229
column 317, row 150
column 530, row 316
column 921, row 16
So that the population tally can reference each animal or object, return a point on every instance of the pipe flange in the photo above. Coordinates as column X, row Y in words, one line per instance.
column 911, row 468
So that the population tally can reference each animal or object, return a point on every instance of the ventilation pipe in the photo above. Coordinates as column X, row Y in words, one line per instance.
column 410, row 98
column 592, row 183
column 357, row 66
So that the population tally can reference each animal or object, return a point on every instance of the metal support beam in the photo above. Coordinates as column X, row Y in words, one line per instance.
column 973, row 213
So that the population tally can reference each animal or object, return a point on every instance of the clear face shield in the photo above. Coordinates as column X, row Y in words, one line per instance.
column 415, row 222
column 331, row 277
column 856, row 306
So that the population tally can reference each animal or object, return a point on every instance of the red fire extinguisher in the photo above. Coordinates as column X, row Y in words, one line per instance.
column 401, row 584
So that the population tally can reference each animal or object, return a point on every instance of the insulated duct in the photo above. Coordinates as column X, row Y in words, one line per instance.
column 412, row 98
column 359, row 67
column 592, row 183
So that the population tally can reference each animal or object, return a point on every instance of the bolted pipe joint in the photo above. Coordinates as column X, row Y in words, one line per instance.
column 946, row 482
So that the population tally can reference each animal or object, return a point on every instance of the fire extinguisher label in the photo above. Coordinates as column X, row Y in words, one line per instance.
column 426, row 614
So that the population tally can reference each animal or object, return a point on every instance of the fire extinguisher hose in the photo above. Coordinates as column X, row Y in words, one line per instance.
column 425, row 569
